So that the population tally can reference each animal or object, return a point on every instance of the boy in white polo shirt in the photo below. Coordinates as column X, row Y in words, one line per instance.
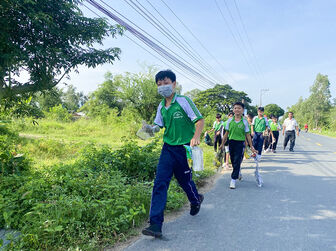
column 237, row 130
column 183, row 125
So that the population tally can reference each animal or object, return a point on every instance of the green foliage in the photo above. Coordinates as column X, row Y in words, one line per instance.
column 106, row 97
column 274, row 109
column 91, row 195
column 139, row 91
column 220, row 99
column 58, row 113
column 10, row 161
column 48, row 99
column 47, row 39
column 136, row 162
column 88, row 204
column 71, row 206
column 80, row 204
column 192, row 94
column 315, row 109
column 135, row 92
column 18, row 106
column 253, row 110
column 73, row 100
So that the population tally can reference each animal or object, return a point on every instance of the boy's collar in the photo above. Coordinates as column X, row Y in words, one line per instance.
column 241, row 117
column 173, row 100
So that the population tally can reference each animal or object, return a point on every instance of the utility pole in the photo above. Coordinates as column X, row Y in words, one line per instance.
column 261, row 93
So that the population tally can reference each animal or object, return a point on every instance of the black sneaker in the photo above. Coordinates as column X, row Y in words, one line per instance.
column 291, row 150
column 194, row 209
column 153, row 230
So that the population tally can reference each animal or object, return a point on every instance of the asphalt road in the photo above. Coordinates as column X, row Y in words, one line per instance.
column 294, row 210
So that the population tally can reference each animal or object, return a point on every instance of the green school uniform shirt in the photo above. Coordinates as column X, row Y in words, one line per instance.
column 217, row 126
column 259, row 124
column 275, row 126
column 237, row 129
column 178, row 120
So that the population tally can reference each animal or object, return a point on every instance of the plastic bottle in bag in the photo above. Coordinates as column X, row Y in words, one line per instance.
column 197, row 158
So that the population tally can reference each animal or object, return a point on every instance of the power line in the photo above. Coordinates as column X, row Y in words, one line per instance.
column 233, row 35
column 149, row 42
column 185, row 74
column 209, row 53
column 240, row 37
column 186, row 42
column 162, row 29
column 247, row 36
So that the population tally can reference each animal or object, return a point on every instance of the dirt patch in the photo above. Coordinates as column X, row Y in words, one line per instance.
column 31, row 136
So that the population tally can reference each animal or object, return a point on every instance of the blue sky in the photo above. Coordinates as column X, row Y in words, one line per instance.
column 292, row 41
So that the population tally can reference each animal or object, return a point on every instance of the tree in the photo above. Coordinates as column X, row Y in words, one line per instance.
column 139, row 92
column 48, row 99
column 220, row 99
column 47, row 39
column 73, row 100
column 315, row 109
column 274, row 109
column 192, row 93
column 18, row 106
column 107, row 95
column 319, row 99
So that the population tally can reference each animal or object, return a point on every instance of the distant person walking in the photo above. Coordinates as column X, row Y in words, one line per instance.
column 226, row 144
column 217, row 127
column 275, row 128
column 288, row 130
column 259, row 125
column 306, row 127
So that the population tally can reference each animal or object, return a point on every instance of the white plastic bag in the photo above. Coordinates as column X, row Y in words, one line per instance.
column 147, row 131
column 197, row 158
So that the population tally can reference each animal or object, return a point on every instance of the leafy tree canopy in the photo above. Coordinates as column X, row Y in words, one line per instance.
column 314, row 110
column 47, row 39
column 274, row 109
column 220, row 99
column 192, row 93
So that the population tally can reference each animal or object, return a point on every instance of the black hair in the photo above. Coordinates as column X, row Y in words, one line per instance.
column 291, row 113
column 230, row 113
column 261, row 109
column 218, row 115
column 161, row 75
column 240, row 104
column 272, row 116
column 250, row 115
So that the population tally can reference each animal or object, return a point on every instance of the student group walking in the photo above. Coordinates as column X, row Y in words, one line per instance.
column 183, row 125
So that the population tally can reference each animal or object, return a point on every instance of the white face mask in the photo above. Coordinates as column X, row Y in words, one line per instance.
column 165, row 90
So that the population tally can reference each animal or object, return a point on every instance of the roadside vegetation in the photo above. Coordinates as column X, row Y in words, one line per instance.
column 318, row 110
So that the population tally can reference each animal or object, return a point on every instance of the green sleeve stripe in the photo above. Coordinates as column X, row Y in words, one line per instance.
column 197, row 119
column 193, row 107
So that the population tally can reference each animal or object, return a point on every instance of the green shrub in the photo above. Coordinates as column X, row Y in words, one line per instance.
column 10, row 161
column 71, row 206
column 135, row 162
column 86, row 205
column 59, row 113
